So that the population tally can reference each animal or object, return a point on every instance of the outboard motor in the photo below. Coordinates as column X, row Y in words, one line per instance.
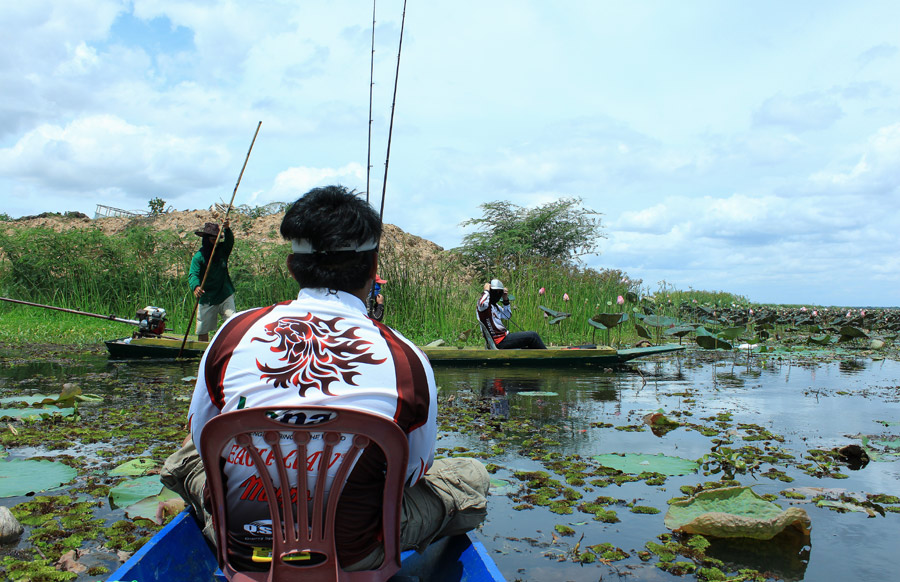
column 151, row 321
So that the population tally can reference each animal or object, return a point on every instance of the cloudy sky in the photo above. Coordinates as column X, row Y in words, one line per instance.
column 751, row 147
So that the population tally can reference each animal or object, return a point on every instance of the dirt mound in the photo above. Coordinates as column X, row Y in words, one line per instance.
column 262, row 230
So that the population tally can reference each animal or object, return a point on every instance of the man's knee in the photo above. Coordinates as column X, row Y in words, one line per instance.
column 461, row 483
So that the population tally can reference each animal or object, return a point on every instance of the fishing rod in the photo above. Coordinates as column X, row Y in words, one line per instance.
column 371, row 86
column 387, row 157
column 218, row 236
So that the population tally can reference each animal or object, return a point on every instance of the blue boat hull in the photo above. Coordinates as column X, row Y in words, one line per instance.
column 179, row 553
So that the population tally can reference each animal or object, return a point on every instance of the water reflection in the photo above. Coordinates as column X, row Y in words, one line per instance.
column 851, row 367
column 784, row 557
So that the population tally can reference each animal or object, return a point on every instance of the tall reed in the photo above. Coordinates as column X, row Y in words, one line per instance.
column 429, row 296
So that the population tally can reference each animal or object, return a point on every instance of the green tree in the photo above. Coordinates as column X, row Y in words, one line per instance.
column 562, row 230
column 157, row 206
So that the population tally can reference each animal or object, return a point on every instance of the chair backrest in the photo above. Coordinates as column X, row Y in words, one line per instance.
column 488, row 340
column 305, row 528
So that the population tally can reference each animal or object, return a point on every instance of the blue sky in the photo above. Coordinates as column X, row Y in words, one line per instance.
column 751, row 147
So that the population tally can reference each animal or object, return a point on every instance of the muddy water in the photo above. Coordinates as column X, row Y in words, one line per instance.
column 810, row 405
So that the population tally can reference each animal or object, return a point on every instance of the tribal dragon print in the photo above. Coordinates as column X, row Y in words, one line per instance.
column 315, row 352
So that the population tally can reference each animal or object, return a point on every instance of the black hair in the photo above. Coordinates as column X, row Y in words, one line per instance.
column 331, row 217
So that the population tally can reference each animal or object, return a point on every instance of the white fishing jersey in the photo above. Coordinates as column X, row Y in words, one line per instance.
column 320, row 349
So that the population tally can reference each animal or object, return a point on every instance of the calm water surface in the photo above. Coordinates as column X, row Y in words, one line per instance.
column 812, row 406
column 822, row 406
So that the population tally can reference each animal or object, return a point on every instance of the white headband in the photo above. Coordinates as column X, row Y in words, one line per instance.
column 304, row 247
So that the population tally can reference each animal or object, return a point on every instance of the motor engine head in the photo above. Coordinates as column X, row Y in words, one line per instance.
column 152, row 321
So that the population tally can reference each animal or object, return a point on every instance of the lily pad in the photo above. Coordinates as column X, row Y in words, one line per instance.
column 820, row 340
column 24, row 413
column 679, row 331
column 637, row 463
column 134, row 467
column 709, row 342
column 848, row 331
column 610, row 320
column 130, row 492
column 848, row 506
column 500, row 486
column 32, row 400
column 21, row 477
column 733, row 512
column 732, row 332
column 149, row 507
column 660, row 321
column 642, row 331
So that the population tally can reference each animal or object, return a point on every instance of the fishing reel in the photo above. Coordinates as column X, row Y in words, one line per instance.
column 151, row 321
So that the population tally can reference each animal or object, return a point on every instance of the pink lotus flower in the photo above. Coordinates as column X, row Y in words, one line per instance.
column 815, row 313
column 541, row 291
column 751, row 312
column 862, row 312
column 620, row 300
column 565, row 296
column 848, row 314
column 803, row 309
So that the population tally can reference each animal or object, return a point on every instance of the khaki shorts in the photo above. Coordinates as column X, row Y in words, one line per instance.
column 208, row 315
column 450, row 499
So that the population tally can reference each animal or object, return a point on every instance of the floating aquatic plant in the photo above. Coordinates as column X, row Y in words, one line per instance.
column 637, row 463
column 21, row 477
column 734, row 512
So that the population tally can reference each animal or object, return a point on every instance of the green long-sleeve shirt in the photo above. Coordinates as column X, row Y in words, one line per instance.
column 218, row 284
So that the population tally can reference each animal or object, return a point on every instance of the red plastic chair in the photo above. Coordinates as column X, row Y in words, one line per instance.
column 303, row 531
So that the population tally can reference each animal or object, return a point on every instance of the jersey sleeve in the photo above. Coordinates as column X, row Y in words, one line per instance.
column 202, row 408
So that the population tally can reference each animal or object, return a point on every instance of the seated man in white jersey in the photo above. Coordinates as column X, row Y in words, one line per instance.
column 491, row 313
column 347, row 359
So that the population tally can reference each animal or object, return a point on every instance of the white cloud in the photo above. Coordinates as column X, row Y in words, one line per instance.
column 876, row 173
column 810, row 111
column 722, row 146
column 293, row 182
column 101, row 152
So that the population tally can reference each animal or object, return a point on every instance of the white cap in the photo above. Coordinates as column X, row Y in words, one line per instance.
column 496, row 284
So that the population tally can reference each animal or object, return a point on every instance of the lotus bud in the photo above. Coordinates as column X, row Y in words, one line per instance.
column 565, row 296
column 541, row 291
column 620, row 300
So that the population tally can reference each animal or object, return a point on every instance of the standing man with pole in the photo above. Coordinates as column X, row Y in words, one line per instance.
column 213, row 251
column 209, row 279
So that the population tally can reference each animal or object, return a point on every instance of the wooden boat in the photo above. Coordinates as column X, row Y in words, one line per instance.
column 162, row 347
column 129, row 348
column 570, row 356
column 179, row 553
